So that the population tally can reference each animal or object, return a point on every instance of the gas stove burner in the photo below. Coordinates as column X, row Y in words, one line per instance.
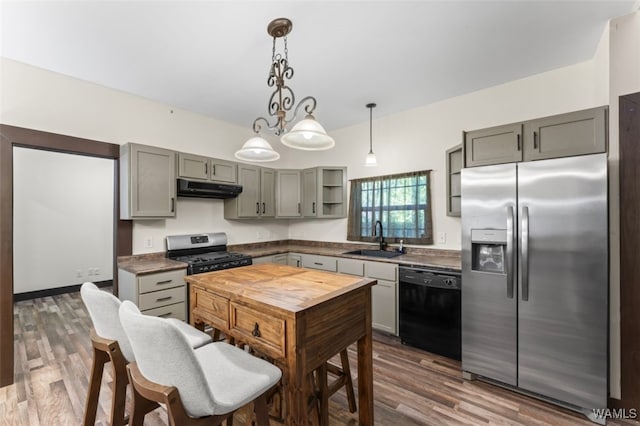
column 204, row 252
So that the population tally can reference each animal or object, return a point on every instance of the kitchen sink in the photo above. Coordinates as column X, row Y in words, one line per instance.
column 374, row 253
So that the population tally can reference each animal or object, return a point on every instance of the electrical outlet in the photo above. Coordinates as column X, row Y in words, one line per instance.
column 267, row 234
column 96, row 271
column 259, row 235
column 442, row 237
column 90, row 272
column 78, row 273
column 148, row 242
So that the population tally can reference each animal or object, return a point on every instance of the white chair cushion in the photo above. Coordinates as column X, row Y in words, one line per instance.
column 234, row 376
column 195, row 337
column 103, row 310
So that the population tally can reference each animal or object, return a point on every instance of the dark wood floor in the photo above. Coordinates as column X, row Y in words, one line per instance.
column 411, row 387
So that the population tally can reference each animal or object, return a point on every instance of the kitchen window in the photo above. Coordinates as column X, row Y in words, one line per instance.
column 402, row 202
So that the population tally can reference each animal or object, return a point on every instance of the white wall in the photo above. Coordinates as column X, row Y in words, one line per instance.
column 624, row 79
column 63, row 219
column 38, row 99
column 417, row 139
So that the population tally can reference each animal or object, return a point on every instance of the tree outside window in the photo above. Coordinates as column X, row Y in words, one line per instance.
column 402, row 202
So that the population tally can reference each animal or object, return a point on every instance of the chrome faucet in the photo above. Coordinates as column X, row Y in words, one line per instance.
column 380, row 236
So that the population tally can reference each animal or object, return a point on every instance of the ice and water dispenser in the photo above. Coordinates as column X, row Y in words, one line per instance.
column 488, row 250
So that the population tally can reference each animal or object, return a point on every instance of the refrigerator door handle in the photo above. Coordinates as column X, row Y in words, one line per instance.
column 510, row 258
column 524, row 254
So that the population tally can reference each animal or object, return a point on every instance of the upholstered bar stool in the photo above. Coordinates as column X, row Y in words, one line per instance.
column 202, row 386
column 110, row 343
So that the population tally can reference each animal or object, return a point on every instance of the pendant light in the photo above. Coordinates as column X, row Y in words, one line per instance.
column 371, row 160
column 258, row 150
column 307, row 134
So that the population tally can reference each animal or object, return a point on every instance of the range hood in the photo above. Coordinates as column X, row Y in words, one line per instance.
column 194, row 188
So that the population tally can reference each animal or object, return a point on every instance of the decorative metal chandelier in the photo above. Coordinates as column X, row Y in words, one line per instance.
column 307, row 134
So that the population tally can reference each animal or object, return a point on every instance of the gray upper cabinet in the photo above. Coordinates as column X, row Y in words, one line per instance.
column 192, row 166
column 309, row 192
column 147, row 182
column 502, row 144
column 576, row 133
column 288, row 196
column 324, row 192
column 454, row 165
column 247, row 203
column 267, row 192
column 257, row 198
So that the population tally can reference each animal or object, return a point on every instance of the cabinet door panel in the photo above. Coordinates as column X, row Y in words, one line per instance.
column 383, row 306
column 288, row 193
column 496, row 145
column 193, row 166
column 153, row 182
column 268, row 192
column 223, row 171
column 309, row 193
column 249, row 199
column 576, row 133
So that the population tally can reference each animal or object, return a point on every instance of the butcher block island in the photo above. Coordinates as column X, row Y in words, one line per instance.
column 298, row 317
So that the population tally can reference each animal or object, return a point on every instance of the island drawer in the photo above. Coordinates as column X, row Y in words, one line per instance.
column 265, row 332
column 161, row 298
column 212, row 308
column 160, row 281
column 177, row 310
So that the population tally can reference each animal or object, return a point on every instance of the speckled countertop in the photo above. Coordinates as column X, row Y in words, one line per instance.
column 443, row 259
column 152, row 263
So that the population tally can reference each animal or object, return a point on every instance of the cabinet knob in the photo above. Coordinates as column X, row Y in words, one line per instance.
column 256, row 330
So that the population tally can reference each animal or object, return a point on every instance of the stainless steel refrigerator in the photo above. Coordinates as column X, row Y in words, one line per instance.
column 535, row 278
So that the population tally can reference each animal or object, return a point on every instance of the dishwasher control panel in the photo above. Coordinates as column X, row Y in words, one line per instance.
column 429, row 277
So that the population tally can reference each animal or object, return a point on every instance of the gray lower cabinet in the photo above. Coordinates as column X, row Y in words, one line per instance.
column 294, row 259
column 323, row 263
column 162, row 294
column 262, row 259
column 288, row 194
column 191, row 166
column 147, row 182
column 384, row 295
column 257, row 198
column 576, row 133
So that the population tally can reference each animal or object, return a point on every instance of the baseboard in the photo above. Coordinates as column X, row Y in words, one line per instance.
column 55, row 291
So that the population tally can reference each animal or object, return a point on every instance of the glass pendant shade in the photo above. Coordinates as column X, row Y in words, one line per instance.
column 371, row 160
column 257, row 149
column 308, row 135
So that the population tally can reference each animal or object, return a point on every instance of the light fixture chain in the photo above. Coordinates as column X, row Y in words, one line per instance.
column 286, row 50
column 273, row 51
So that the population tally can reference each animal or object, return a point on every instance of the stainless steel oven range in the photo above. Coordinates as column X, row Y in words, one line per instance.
column 204, row 252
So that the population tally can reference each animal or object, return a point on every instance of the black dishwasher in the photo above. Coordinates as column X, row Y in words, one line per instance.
column 430, row 310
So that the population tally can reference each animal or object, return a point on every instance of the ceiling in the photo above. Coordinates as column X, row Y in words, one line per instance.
column 212, row 57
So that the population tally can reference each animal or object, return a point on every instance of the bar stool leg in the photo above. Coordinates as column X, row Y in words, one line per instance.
column 100, row 358
column 351, row 397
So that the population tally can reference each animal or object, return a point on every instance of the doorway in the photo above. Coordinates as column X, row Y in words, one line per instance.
column 11, row 136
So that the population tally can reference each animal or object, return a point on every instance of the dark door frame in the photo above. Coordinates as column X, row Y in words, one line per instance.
column 11, row 136
column 629, row 247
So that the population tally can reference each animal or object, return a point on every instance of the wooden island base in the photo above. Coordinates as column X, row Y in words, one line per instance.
column 298, row 317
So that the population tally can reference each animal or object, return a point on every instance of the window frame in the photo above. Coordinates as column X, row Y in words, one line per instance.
column 354, row 221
